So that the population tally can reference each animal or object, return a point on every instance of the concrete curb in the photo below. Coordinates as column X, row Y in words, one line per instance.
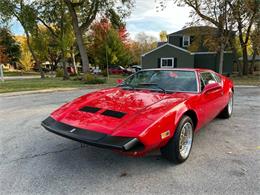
column 246, row 86
column 10, row 78
column 37, row 91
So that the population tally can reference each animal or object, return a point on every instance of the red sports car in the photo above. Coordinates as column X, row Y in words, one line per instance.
column 151, row 109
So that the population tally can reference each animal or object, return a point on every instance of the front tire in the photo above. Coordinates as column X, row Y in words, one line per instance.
column 228, row 110
column 178, row 148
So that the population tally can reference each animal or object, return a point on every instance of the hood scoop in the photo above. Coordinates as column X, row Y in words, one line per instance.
column 113, row 113
column 90, row 109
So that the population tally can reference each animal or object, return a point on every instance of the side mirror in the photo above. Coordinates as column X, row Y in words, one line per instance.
column 119, row 81
column 211, row 87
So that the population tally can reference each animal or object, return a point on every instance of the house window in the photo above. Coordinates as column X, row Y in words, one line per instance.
column 167, row 62
column 185, row 41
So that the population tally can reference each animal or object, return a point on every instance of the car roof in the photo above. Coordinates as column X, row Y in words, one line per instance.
column 182, row 69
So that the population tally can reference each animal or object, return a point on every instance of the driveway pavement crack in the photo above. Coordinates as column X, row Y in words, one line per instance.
column 42, row 154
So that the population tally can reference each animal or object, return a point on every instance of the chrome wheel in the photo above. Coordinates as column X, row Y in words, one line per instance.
column 230, row 105
column 185, row 141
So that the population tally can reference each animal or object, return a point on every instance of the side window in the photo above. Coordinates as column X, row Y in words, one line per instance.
column 207, row 78
column 217, row 78
column 202, row 85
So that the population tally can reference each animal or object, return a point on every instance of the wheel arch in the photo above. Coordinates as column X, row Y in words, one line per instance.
column 192, row 114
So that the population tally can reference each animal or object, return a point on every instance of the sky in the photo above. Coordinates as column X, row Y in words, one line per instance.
column 147, row 18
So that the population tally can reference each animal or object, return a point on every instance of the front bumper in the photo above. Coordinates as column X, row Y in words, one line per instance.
column 91, row 137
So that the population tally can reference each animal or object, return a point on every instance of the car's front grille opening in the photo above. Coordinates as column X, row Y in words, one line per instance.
column 113, row 113
column 90, row 109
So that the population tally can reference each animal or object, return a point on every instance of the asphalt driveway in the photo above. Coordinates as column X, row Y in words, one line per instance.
column 225, row 158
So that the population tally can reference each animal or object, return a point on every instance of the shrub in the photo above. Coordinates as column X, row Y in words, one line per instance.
column 59, row 72
column 104, row 73
column 92, row 79
column 77, row 78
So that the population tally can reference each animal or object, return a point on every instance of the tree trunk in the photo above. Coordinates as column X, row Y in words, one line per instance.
column 253, row 62
column 79, row 37
column 234, row 51
column 63, row 48
column 221, row 57
column 74, row 61
column 65, row 71
column 243, row 45
column 33, row 54
column 245, row 60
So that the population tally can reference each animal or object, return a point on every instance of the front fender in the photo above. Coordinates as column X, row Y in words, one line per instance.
column 152, row 138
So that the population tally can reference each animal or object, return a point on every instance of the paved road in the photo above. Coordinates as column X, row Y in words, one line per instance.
column 225, row 157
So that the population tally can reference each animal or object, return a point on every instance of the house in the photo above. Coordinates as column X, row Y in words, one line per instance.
column 192, row 47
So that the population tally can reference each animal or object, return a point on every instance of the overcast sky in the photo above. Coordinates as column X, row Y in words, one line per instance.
column 146, row 18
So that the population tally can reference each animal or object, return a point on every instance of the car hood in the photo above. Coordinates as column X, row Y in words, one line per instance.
column 108, row 110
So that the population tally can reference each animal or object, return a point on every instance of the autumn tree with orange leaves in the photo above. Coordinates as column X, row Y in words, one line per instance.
column 107, row 43
column 9, row 49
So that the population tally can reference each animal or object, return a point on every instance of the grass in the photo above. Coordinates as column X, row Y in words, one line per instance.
column 246, row 80
column 51, row 83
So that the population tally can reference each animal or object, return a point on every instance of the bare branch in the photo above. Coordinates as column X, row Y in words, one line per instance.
column 91, row 15
column 48, row 27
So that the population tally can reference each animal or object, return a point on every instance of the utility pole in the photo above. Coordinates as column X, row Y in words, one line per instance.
column 2, row 60
column 107, row 63
column 1, row 73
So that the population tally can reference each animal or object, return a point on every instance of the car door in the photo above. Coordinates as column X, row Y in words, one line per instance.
column 222, row 101
column 211, row 100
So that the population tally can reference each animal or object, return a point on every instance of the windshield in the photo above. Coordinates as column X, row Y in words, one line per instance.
column 163, row 80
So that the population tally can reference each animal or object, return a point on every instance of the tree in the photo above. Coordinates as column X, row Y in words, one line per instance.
column 108, row 45
column 255, row 39
column 226, row 15
column 26, row 15
column 3, row 56
column 216, row 13
column 142, row 44
column 245, row 13
column 123, row 35
column 11, row 51
column 163, row 36
column 83, row 13
column 39, row 43
column 26, row 59
column 54, row 16
column 204, row 39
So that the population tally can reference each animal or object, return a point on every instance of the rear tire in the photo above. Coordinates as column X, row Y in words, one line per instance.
column 178, row 148
column 228, row 110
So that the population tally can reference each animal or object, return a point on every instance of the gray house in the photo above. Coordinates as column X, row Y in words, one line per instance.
column 176, row 52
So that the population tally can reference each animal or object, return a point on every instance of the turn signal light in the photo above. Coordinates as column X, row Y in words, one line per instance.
column 165, row 134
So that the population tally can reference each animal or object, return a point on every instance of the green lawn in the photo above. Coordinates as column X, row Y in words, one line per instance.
column 50, row 83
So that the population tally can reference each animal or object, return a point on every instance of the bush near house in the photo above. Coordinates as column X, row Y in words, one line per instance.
column 59, row 72
column 92, row 79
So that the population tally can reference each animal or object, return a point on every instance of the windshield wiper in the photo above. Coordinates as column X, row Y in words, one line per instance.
column 153, row 84
column 126, row 85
